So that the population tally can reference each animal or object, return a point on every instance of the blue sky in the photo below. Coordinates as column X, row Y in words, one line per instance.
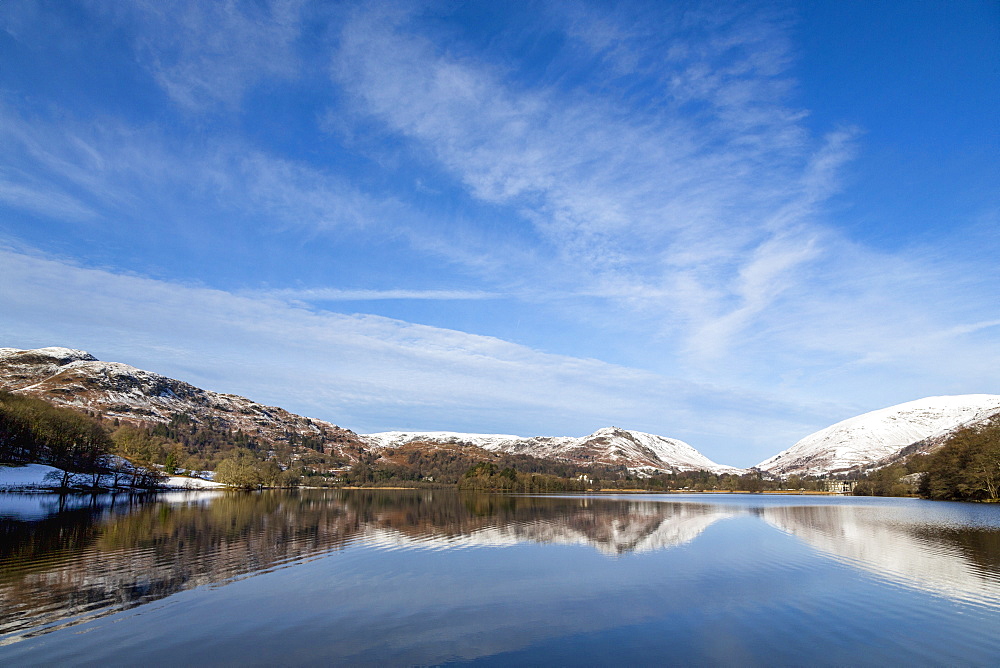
column 732, row 224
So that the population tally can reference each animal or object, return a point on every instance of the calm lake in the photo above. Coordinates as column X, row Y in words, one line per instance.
column 431, row 577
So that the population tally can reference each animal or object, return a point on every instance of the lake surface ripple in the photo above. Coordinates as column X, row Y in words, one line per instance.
column 431, row 577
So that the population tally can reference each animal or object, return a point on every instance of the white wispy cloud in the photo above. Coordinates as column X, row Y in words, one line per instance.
column 85, row 169
column 40, row 198
column 209, row 54
column 703, row 211
column 710, row 211
column 367, row 372
column 334, row 294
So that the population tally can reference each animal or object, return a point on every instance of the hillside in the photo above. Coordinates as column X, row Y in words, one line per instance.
column 77, row 379
column 178, row 410
column 609, row 447
column 878, row 437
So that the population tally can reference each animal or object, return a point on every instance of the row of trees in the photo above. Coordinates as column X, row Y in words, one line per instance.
column 487, row 476
column 34, row 431
column 416, row 464
column 246, row 469
column 116, row 454
column 966, row 468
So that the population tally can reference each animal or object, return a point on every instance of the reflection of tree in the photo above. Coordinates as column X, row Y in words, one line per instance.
column 101, row 558
column 981, row 548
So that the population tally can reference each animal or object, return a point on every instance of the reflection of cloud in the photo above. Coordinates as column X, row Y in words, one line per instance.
column 928, row 557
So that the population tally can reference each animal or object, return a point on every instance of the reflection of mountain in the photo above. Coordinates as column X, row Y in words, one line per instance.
column 938, row 558
column 104, row 557
column 62, row 565
column 634, row 527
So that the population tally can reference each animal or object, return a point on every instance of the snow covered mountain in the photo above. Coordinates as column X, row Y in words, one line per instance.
column 866, row 439
column 77, row 379
column 610, row 446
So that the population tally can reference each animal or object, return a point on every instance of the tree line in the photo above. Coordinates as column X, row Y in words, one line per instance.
column 966, row 468
column 472, row 468
column 34, row 431
column 80, row 442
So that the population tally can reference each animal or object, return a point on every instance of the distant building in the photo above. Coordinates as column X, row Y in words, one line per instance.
column 839, row 486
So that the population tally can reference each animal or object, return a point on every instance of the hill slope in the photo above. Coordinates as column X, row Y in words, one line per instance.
column 77, row 379
column 866, row 439
column 610, row 446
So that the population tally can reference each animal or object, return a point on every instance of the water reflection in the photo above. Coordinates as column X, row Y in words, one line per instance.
column 66, row 560
column 70, row 561
column 613, row 528
column 945, row 558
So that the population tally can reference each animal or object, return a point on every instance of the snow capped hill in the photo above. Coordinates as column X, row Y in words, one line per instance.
column 610, row 446
column 77, row 379
column 868, row 438
column 394, row 439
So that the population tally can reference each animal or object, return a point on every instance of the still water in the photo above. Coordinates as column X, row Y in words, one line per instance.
column 432, row 577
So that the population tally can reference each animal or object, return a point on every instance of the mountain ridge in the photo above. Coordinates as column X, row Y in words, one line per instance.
column 608, row 446
column 76, row 379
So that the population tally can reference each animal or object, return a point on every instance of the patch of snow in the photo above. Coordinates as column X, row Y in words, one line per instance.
column 57, row 353
column 394, row 439
column 27, row 477
column 181, row 482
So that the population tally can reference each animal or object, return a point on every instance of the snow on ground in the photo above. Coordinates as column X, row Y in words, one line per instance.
column 28, row 477
column 44, row 478
column 181, row 482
